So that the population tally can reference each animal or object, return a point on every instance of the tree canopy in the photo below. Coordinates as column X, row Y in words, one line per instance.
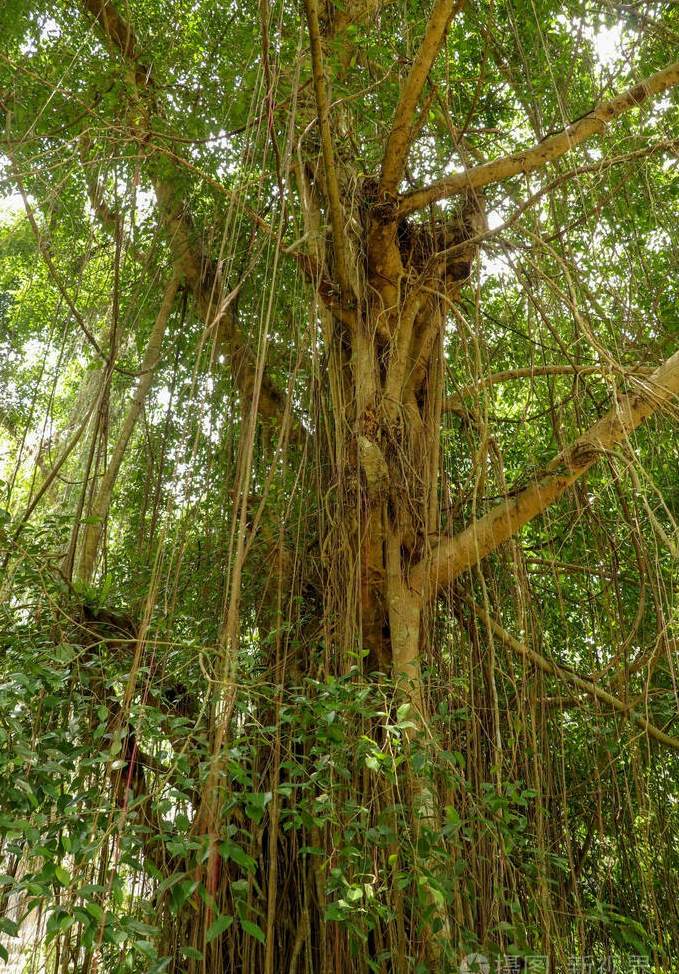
column 339, row 392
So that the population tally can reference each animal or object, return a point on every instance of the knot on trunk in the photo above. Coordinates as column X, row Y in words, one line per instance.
column 381, row 207
column 443, row 241
column 582, row 454
column 374, row 466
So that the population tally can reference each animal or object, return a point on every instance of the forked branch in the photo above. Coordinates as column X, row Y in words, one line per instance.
column 454, row 555
column 548, row 150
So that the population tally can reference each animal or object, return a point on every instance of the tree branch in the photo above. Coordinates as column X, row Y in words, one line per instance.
column 544, row 152
column 323, row 108
column 455, row 403
column 118, row 31
column 568, row 676
column 400, row 137
column 453, row 555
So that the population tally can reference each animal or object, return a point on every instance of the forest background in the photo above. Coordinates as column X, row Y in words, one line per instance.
column 338, row 411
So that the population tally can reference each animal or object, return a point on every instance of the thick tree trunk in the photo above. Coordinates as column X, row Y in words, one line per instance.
column 386, row 465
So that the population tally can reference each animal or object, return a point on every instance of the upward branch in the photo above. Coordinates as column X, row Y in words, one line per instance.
column 331, row 183
column 568, row 676
column 546, row 151
column 398, row 143
column 454, row 555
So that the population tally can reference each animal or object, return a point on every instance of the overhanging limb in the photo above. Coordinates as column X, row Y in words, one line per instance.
column 550, row 149
column 455, row 554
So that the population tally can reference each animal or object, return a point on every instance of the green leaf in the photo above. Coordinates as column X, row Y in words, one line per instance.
column 59, row 922
column 254, row 931
column 181, row 893
column 231, row 850
column 452, row 816
column 146, row 948
column 256, row 802
column 218, row 927
column 95, row 911
column 191, row 953
column 9, row 927
column 62, row 875
column 403, row 711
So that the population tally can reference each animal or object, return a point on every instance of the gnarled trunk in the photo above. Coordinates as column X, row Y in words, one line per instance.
column 387, row 351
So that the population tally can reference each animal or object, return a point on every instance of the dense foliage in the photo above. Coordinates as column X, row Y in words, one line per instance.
column 339, row 485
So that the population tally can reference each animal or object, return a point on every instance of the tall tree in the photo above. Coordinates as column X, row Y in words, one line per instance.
column 360, row 610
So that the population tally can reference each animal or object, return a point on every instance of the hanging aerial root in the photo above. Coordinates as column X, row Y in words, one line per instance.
column 568, row 676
